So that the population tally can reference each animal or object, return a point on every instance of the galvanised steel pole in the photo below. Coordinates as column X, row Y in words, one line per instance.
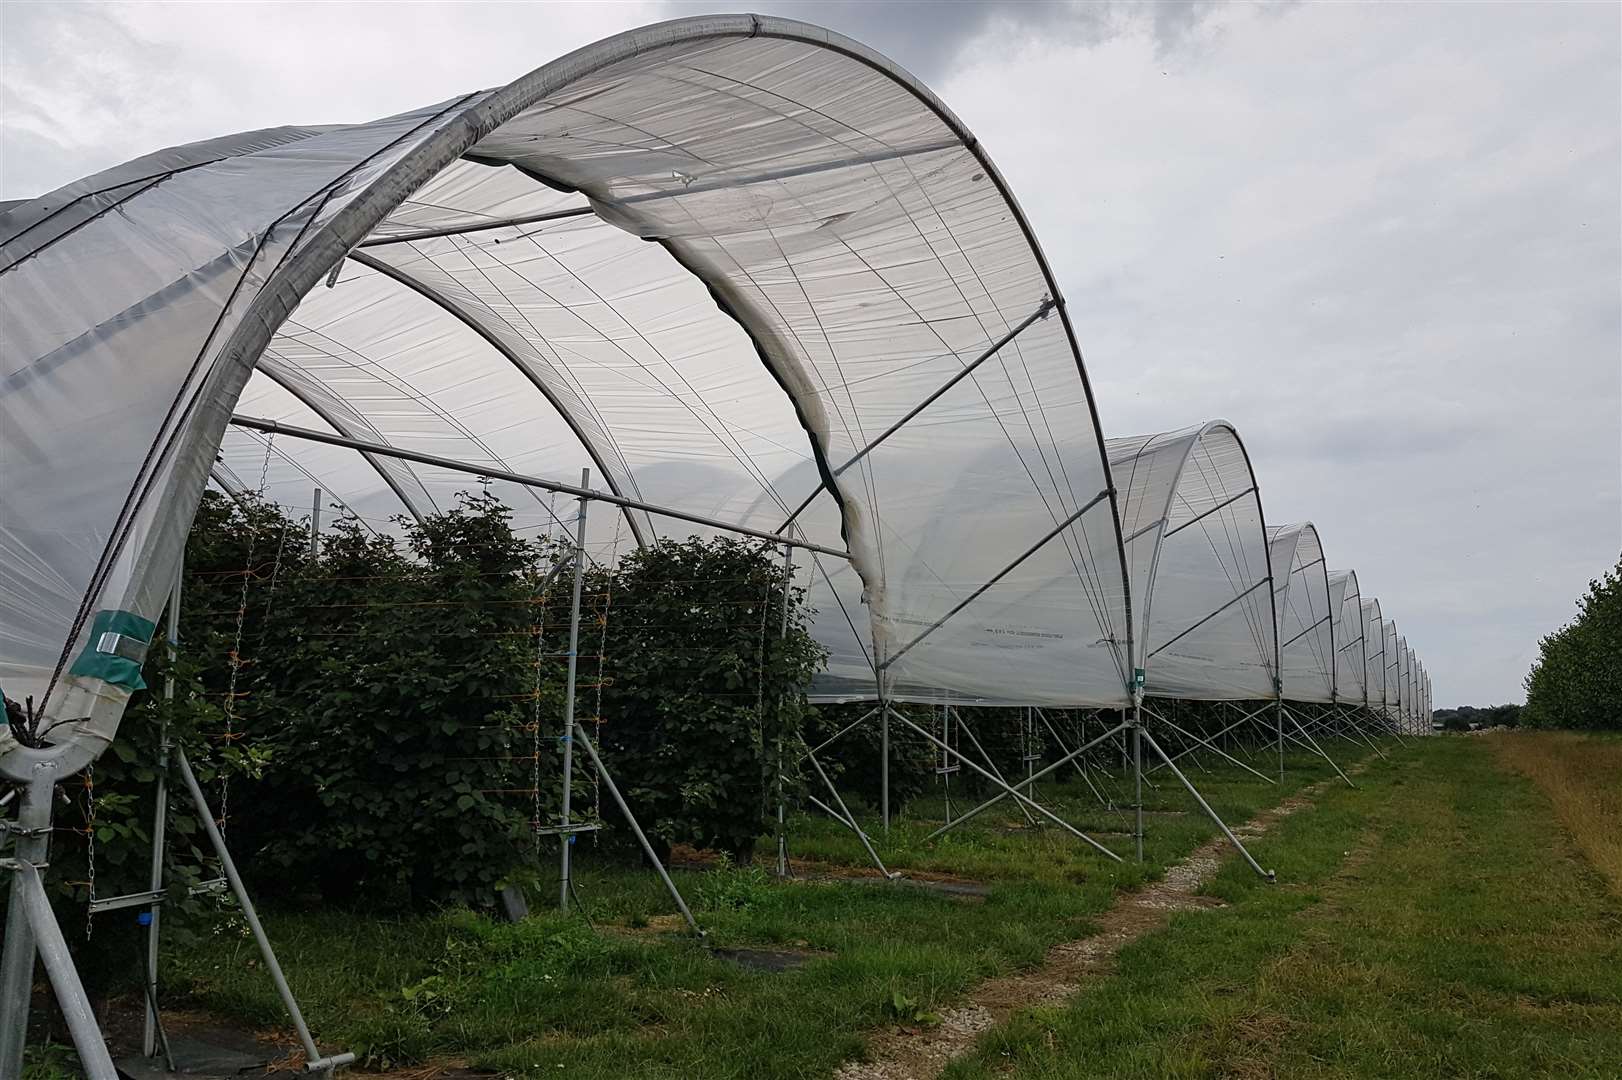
column 160, row 822
column 70, row 995
column 1137, row 766
column 315, row 525
column 884, row 757
column 565, row 837
column 33, row 832
column 313, row 1061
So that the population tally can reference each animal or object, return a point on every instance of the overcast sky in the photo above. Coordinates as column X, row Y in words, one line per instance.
column 1383, row 239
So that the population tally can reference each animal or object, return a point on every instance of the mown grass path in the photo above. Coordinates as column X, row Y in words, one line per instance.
column 1437, row 922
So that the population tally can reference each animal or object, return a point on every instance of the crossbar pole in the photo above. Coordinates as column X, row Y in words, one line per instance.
column 849, row 817
column 1004, row 572
column 276, row 427
column 993, row 349
column 1207, row 744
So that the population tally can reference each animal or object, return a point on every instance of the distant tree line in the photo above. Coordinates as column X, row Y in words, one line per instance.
column 1577, row 679
column 1471, row 717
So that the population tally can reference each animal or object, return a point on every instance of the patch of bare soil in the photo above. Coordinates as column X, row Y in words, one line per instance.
column 912, row 1053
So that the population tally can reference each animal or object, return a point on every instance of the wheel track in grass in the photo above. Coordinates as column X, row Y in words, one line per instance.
column 914, row 1053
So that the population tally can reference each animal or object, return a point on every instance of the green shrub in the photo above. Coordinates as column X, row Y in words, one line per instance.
column 700, row 685
column 1577, row 679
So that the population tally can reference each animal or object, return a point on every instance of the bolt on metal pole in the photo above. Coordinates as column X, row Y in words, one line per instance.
column 565, row 837
column 33, row 831
column 160, row 822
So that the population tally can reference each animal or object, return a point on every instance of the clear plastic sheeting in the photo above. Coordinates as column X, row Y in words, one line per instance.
column 1306, row 616
column 736, row 267
column 1374, row 654
column 115, row 374
column 1405, row 680
column 1392, row 658
column 1351, row 672
column 842, row 326
column 1198, row 558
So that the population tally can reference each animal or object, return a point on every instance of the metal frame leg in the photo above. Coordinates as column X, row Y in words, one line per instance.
column 1314, row 743
column 33, row 831
column 1267, row 875
column 1014, row 790
column 1080, row 768
column 1038, row 807
column 565, row 836
column 849, row 818
column 990, row 764
column 630, row 818
column 313, row 1061
column 70, row 995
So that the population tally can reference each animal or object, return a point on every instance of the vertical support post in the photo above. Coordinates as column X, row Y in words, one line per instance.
column 565, row 837
column 1278, row 718
column 315, row 525
column 33, row 827
column 1137, row 770
column 782, row 826
column 160, row 823
column 884, row 758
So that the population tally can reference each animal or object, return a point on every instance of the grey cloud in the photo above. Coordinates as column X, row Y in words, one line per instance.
column 929, row 38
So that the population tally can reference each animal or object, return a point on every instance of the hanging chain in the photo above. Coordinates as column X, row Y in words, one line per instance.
column 230, row 735
column 602, row 649
column 536, row 820
column 90, row 842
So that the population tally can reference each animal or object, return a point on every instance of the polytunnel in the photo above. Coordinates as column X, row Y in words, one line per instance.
column 1405, row 681
column 740, row 267
column 1392, row 656
column 1198, row 558
column 1350, row 663
column 1306, row 615
column 1374, row 654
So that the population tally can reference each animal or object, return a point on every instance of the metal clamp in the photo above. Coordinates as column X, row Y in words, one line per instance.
column 122, row 645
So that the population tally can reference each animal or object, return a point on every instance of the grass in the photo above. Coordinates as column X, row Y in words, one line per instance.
column 634, row 998
column 1438, row 921
column 1582, row 776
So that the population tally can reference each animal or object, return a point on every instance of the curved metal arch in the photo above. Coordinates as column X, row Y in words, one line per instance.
column 1165, row 514
column 327, row 418
column 432, row 295
column 232, row 485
